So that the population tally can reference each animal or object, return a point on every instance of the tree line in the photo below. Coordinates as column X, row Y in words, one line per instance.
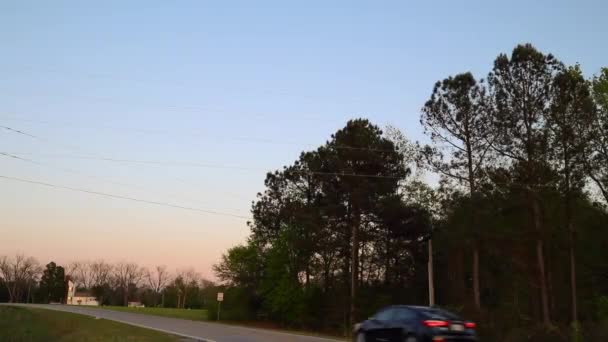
column 518, row 218
column 23, row 279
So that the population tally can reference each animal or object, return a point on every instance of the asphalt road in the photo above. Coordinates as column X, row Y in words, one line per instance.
column 201, row 331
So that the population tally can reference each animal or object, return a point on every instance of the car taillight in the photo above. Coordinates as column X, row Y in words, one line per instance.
column 431, row 323
column 470, row 325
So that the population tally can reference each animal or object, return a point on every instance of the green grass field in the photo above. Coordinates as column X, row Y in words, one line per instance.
column 191, row 314
column 32, row 325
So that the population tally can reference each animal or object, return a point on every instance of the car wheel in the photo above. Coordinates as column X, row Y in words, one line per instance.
column 411, row 339
column 361, row 337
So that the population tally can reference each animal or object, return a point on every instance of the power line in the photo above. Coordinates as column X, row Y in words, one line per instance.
column 16, row 157
column 186, row 108
column 212, row 212
column 110, row 76
column 70, row 171
column 196, row 164
column 137, row 161
column 77, row 148
column 39, row 138
column 233, row 138
column 206, row 165
column 18, row 132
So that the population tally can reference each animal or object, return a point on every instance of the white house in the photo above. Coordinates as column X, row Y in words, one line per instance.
column 80, row 297
column 84, row 298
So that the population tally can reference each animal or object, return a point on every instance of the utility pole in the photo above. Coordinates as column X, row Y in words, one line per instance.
column 431, row 277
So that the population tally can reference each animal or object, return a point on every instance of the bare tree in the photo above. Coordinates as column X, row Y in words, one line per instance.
column 84, row 274
column 100, row 272
column 188, row 278
column 205, row 283
column 19, row 273
column 158, row 280
column 71, row 272
column 127, row 274
column 70, row 269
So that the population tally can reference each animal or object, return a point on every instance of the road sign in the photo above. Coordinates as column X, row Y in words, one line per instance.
column 220, row 296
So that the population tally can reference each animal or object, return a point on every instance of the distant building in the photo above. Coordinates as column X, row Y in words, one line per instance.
column 71, row 290
column 83, row 298
column 135, row 305
column 80, row 297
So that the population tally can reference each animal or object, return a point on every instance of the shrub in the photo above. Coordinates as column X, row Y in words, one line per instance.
column 601, row 305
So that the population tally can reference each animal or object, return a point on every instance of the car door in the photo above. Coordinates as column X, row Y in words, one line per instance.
column 405, row 321
column 380, row 326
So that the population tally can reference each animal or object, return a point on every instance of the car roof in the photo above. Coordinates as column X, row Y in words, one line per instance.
column 418, row 308
column 414, row 307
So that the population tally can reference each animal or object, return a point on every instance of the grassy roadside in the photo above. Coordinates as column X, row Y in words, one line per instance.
column 30, row 324
column 280, row 329
column 202, row 315
column 191, row 314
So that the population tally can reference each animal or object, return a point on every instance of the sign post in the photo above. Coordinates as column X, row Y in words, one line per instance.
column 220, row 299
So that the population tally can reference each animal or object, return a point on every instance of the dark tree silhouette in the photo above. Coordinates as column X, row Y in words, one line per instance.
column 456, row 119
column 521, row 90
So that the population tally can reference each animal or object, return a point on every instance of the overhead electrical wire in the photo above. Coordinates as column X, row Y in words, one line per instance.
column 192, row 134
column 206, row 165
column 98, row 193
column 37, row 137
column 203, row 165
column 18, row 132
column 102, row 179
column 113, row 77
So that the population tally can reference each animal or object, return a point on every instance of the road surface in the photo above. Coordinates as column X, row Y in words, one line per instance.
column 201, row 331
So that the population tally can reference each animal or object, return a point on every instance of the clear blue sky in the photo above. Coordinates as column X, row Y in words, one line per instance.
column 198, row 81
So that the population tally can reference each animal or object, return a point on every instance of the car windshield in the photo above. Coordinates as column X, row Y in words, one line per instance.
column 438, row 314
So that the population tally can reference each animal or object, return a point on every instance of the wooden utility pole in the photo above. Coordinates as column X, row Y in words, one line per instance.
column 431, row 275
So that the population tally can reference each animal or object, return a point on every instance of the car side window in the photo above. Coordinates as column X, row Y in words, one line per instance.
column 384, row 315
column 403, row 314
column 440, row 314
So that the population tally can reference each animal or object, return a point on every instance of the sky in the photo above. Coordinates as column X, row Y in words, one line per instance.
column 218, row 93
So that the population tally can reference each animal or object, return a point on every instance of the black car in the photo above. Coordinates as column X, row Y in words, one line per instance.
column 405, row 323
